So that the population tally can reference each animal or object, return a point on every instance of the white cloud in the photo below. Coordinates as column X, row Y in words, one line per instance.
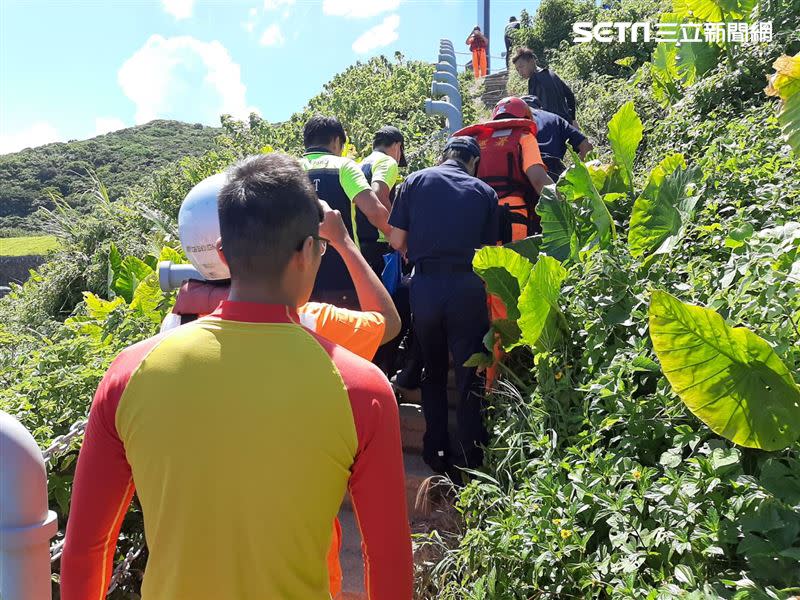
column 272, row 36
column 180, row 9
column 358, row 9
column 183, row 78
column 37, row 134
column 107, row 124
column 276, row 4
column 252, row 19
column 379, row 36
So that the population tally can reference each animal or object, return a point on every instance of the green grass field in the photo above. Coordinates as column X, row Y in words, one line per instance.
column 23, row 246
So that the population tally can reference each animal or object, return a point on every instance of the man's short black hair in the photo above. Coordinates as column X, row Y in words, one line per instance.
column 512, row 19
column 461, row 154
column 524, row 54
column 320, row 131
column 266, row 209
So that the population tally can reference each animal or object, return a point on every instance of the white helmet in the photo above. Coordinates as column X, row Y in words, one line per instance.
column 198, row 227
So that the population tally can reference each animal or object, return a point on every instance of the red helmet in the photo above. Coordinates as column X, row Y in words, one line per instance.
column 511, row 108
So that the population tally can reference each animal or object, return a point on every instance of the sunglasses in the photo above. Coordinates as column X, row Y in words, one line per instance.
column 323, row 244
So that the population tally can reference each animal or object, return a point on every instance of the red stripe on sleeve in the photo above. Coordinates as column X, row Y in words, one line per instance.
column 102, row 488
column 377, row 483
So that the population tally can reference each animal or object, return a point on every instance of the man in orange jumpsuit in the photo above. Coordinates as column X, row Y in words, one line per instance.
column 479, row 45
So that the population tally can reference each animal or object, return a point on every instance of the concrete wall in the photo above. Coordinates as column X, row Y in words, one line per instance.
column 15, row 269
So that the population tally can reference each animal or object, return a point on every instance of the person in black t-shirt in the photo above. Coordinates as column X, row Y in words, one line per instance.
column 555, row 95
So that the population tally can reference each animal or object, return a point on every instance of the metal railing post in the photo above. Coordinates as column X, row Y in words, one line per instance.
column 439, row 89
column 26, row 524
column 446, row 78
column 445, row 83
column 453, row 116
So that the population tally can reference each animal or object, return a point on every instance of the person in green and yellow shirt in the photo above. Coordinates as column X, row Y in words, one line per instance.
column 340, row 182
column 381, row 170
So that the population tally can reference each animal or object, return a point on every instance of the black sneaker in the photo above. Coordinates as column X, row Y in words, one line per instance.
column 439, row 463
column 409, row 378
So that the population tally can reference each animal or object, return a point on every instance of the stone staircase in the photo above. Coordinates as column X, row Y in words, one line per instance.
column 494, row 88
column 412, row 428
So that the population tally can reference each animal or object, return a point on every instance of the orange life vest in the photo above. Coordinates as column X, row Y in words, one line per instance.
column 501, row 166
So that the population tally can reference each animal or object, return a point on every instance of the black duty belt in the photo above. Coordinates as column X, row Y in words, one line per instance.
column 442, row 268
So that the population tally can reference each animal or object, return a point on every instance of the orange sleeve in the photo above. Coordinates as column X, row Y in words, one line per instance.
column 377, row 482
column 530, row 151
column 358, row 331
column 102, row 489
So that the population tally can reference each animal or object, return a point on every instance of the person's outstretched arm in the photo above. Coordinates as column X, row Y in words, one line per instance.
column 532, row 163
column 384, row 177
column 355, row 185
column 102, row 489
column 372, row 295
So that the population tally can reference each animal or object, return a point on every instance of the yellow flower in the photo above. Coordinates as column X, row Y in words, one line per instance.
column 557, row 521
column 565, row 533
column 559, row 375
column 637, row 474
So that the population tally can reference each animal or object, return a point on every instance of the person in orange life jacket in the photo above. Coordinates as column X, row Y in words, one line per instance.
column 555, row 95
column 361, row 332
column 381, row 170
column 478, row 44
column 341, row 183
column 512, row 164
column 324, row 418
column 448, row 300
column 552, row 134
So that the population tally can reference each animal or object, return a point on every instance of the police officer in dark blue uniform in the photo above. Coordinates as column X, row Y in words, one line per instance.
column 440, row 216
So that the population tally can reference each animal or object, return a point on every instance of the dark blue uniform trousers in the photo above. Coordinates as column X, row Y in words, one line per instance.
column 450, row 314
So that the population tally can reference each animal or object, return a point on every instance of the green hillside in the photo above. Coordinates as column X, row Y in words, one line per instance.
column 120, row 159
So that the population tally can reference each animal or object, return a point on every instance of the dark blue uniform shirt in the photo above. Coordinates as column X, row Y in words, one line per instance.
column 447, row 213
column 553, row 133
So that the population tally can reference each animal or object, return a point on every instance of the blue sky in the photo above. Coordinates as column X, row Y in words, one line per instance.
column 71, row 69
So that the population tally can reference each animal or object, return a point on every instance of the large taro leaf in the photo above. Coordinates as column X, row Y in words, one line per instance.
column 557, row 220
column 538, row 302
column 625, row 132
column 667, row 86
column 661, row 213
column 695, row 59
column 505, row 272
column 713, row 11
column 578, row 184
column 132, row 271
column 729, row 377
column 528, row 247
column 786, row 84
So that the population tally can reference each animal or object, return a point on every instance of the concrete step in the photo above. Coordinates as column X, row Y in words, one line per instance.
column 350, row 555
column 416, row 472
column 350, row 558
column 415, row 396
column 412, row 426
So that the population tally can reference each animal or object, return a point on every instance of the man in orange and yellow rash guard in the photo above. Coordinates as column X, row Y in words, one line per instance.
column 361, row 332
column 241, row 431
